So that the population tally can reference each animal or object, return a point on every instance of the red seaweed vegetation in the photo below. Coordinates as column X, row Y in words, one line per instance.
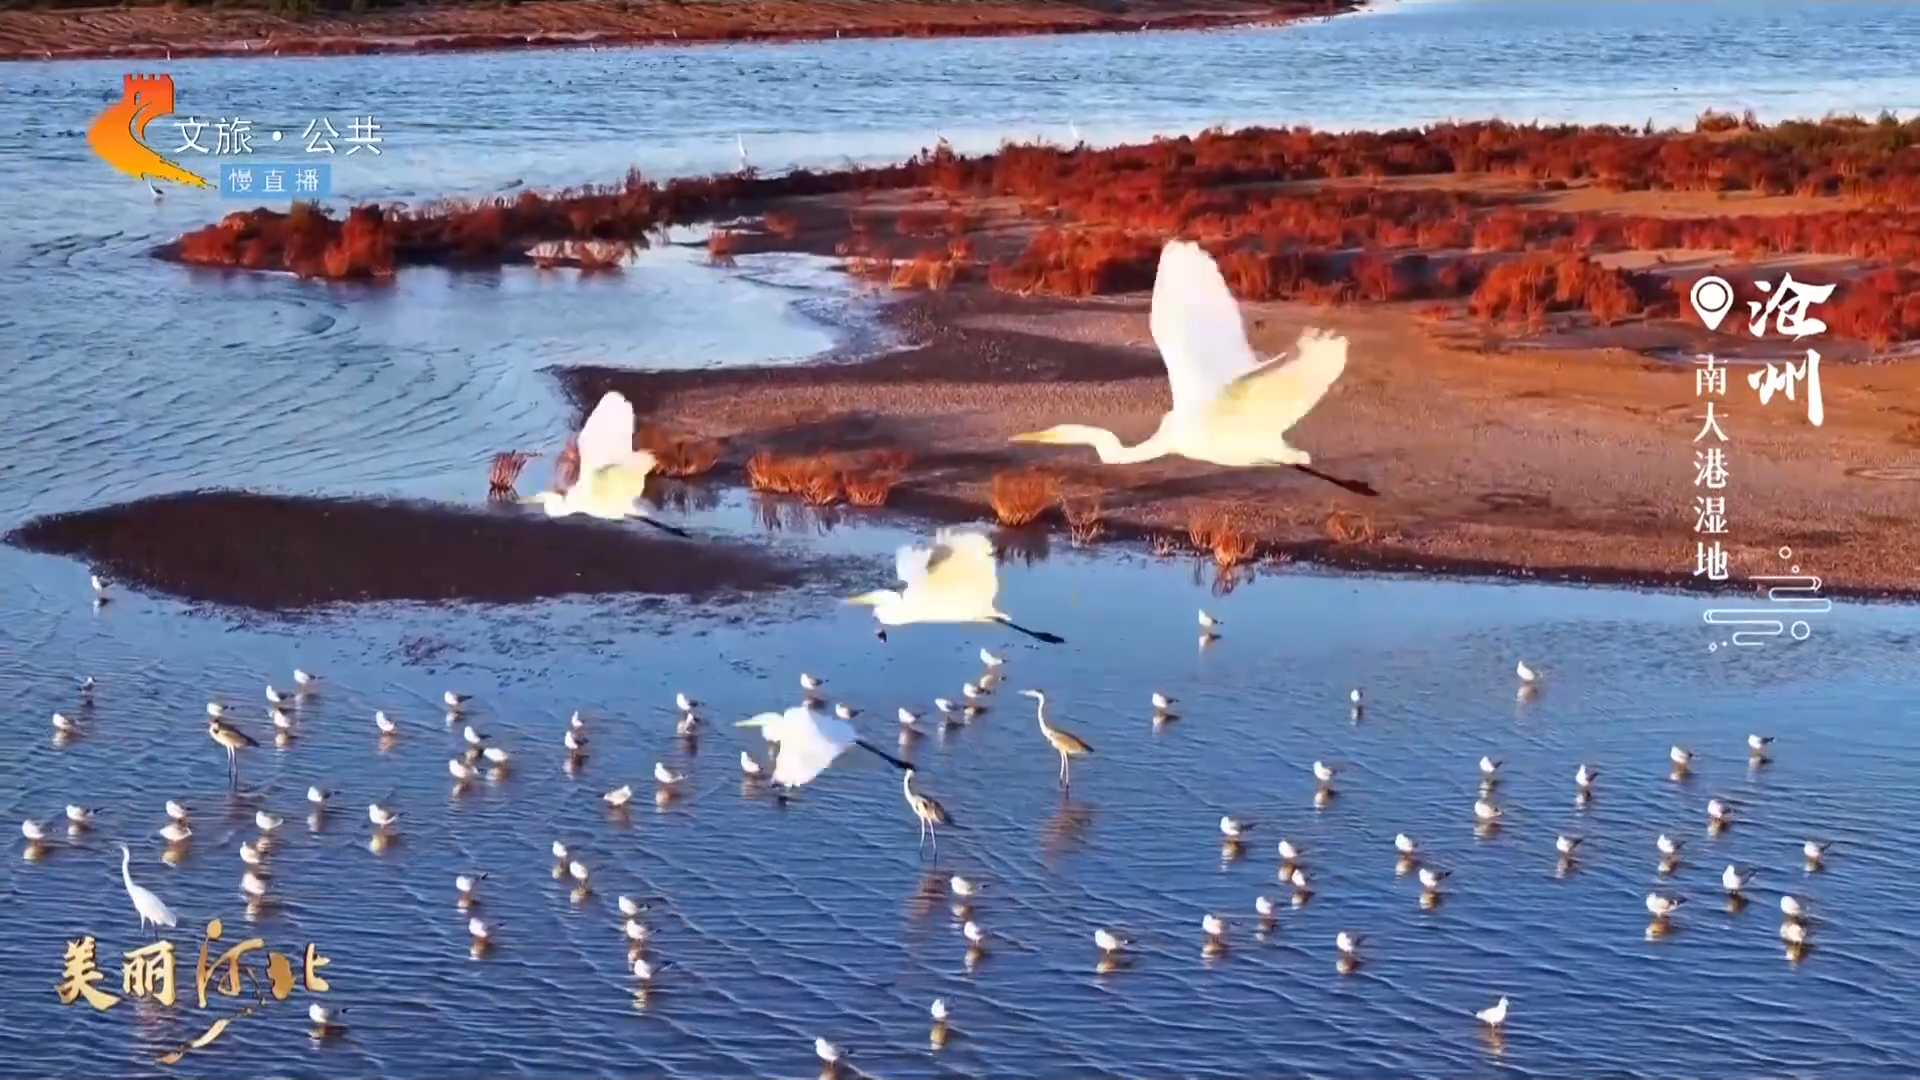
column 1289, row 213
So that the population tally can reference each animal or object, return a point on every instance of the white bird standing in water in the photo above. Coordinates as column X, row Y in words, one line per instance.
column 1583, row 777
column 810, row 683
column 1209, row 624
column 1525, row 673
column 1233, row 828
column 318, row 796
column 1110, row 942
column 267, row 822
column 1324, row 772
column 1489, row 768
column 455, row 702
column 1718, row 812
column 1792, row 908
column 277, row 697
column 1681, row 757
column 1162, row 703
column 1404, row 844
column 1758, row 744
column 34, row 831
column 1347, row 944
column 380, row 815
column 1663, row 906
column 64, row 725
column 80, row 816
column 1494, row 1015
column 619, row 796
column 1290, row 851
column 1213, row 925
column 666, row 777
column 1733, row 879
column 464, row 883
column 324, row 1017
column 613, row 475
column 963, row 887
column 749, row 766
column 684, row 703
column 989, row 660
column 152, row 910
column 1230, row 407
column 938, row 1010
column 304, row 679
column 1815, row 850
column 1486, row 811
column 1566, row 845
column 462, row 771
column 479, row 930
column 954, row 580
column 386, row 726
column 173, row 832
column 828, row 1052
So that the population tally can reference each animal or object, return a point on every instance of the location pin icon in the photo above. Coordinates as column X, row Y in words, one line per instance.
column 1712, row 298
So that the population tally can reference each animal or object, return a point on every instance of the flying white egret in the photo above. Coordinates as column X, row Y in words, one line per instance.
column 811, row 683
column 1229, row 406
column 472, row 737
column 613, row 475
column 1494, row 1015
column 954, row 580
column 177, row 811
column 906, row 716
column 847, row 712
column 152, row 910
column 1065, row 743
column 809, row 741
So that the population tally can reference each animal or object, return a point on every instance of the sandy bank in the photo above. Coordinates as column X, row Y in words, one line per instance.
column 273, row 552
column 1554, row 464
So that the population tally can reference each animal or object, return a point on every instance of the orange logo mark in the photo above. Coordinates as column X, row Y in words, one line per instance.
column 119, row 135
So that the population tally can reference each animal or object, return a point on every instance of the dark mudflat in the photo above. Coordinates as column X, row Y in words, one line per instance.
column 274, row 552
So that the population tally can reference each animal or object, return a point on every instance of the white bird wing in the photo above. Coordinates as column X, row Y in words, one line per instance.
column 607, row 436
column 809, row 742
column 910, row 563
column 960, row 580
column 1273, row 398
column 1196, row 324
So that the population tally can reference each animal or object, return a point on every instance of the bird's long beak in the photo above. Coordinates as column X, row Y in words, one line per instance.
column 1033, row 437
column 755, row 722
column 869, row 599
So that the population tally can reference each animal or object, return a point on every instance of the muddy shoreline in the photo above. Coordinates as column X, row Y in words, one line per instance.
column 274, row 553
column 1611, row 506
column 167, row 32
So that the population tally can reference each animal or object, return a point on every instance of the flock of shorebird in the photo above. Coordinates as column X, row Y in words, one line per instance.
column 808, row 738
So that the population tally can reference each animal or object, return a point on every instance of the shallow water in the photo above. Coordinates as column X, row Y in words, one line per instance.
column 126, row 377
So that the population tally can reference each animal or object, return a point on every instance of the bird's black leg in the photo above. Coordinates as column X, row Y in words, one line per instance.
column 883, row 755
column 1037, row 635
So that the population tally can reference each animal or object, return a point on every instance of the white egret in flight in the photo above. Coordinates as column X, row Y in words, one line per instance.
column 613, row 475
column 1229, row 406
column 809, row 741
column 953, row 581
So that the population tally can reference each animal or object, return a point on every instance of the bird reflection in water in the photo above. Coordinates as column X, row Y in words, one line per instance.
column 1067, row 829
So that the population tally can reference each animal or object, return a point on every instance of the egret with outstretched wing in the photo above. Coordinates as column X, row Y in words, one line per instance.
column 612, row 474
column 1229, row 407
column 953, row 581
column 810, row 740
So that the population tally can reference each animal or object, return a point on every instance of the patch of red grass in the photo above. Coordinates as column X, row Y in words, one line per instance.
column 1083, row 514
column 505, row 472
column 678, row 455
column 869, row 488
column 1020, row 496
column 781, row 223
